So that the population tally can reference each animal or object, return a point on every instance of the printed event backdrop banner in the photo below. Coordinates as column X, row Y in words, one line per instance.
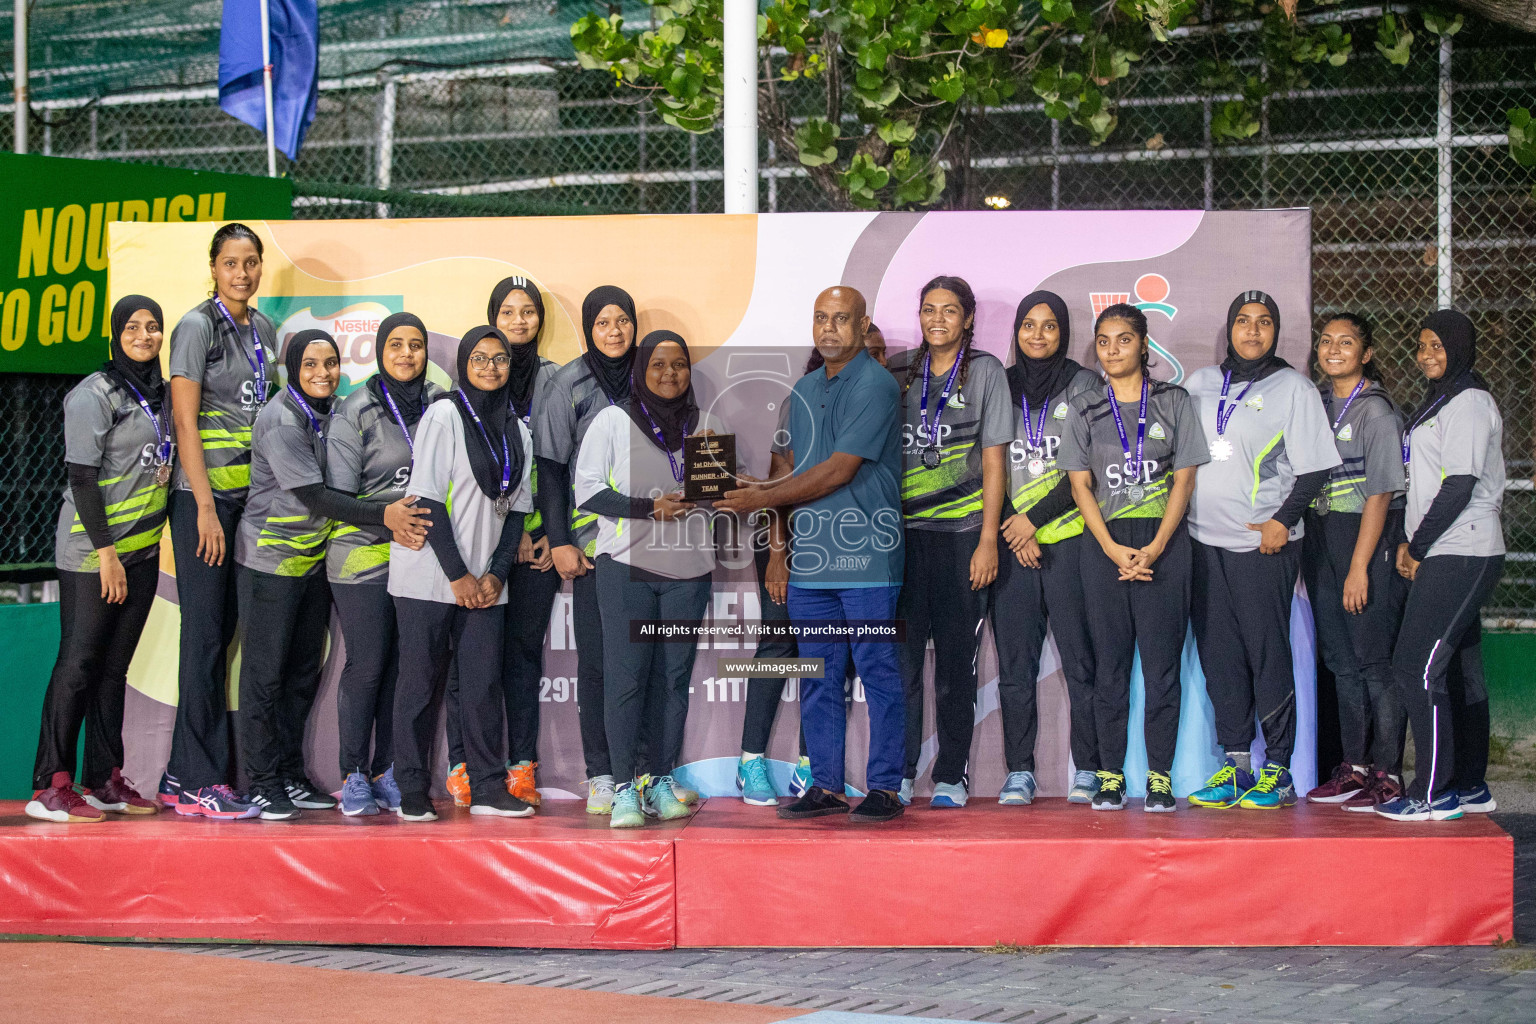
column 54, row 224
column 741, row 290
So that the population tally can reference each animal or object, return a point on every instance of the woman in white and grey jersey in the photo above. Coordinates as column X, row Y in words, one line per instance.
column 1039, row 577
column 1347, row 561
column 223, row 369
column 1270, row 456
column 1453, row 450
column 1131, row 449
column 118, row 452
column 368, row 460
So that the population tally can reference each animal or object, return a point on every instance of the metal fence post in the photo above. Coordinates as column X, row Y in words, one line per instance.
column 1444, row 278
column 1055, row 164
column 384, row 148
column 20, row 77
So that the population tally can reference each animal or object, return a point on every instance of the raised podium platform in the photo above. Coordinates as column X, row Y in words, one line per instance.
column 1050, row 874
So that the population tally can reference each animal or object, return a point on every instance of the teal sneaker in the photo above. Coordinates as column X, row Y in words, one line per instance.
column 801, row 781
column 752, row 779
column 1225, row 788
column 1273, row 791
column 661, row 800
column 626, row 808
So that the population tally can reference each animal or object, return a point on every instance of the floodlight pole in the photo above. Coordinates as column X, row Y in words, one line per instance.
column 740, row 106
column 266, row 85
column 1445, row 277
column 20, row 78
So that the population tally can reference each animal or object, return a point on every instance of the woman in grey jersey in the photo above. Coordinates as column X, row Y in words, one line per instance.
column 223, row 368
column 654, row 562
column 1347, row 561
column 956, row 426
column 118, row 453
column 368, row 462
column 1271, row 451
column 471, row 471
column 1453, row 451
column 1038, row 573
column 1131, row 449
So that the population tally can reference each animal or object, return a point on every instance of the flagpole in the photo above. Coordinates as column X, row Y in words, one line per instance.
column 266, row 85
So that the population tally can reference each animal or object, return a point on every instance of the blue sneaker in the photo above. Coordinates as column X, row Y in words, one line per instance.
column 1446, row 807
column 1477, row 801
column 170, row 790
column 948, row 794
column 801, row 781
column 1225, row 788
column 1018, row 788
column 1085, row 786
column 752, row 779
column 626, row 812
column 1273, row 791
column 357, row 796
column 386, row 791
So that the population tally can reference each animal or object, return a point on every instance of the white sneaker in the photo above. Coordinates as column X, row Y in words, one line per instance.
column 905, row 793
column 600, row 795
column 948, row 794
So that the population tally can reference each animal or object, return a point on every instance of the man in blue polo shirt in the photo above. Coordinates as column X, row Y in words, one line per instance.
column 846, row 555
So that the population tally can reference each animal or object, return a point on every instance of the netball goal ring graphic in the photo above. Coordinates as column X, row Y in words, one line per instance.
column 1151, row 296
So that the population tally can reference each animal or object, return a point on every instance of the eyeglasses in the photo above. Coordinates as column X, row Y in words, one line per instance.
column 479, row 360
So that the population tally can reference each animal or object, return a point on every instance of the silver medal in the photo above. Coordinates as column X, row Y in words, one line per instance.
column 1036, row 467
column 502, row 505
column 931, row 458
column 1322, row 504
column 163, row 475
column 1221, row 450
column 1135, row 493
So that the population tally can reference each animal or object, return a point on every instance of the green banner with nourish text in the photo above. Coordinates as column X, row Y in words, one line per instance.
column 54, row 217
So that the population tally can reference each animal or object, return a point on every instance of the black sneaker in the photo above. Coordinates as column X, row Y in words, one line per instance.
column 274, row 804
column 1111, row 794
column 500, row 803
column 817, row 803
column 880, row 805
column 416, row 807
column 307, row 795
column 1159, row 793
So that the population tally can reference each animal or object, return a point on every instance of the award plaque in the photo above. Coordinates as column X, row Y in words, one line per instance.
column 709, row 466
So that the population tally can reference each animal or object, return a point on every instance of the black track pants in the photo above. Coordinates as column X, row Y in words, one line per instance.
column 96, row 645
column 281, row 650
column 365, row 697
column 1150, row 617
column 1358, row 648
column 1242, row 617
column 1438, row 665
column 530, row 595
column 764, row 695
column 1024, row 601
column 588, row 622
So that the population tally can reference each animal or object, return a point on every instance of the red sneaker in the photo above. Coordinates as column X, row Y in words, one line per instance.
column 1380, row 789
column 60, row 802
column 1344, row 783
column 119, row 796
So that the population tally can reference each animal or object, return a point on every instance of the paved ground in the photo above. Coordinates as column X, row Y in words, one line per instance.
column 1065, row 986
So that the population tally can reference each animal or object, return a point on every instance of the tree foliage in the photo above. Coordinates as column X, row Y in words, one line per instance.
column 874, row 97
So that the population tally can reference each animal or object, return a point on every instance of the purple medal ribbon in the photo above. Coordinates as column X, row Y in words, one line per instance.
column 162, row 436
column 506, row 456
column 1034, row 437
column 938, row 414
column 1223, row 411
column 400, row 420
column 314, row 422
column 1347, row 403
column 1134, row 476
column 259, row 367
column 677, row 471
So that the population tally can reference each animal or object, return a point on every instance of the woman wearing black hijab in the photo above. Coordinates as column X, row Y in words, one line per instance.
column 1038, row 579
column 654, row 562
column 117, row 449
column 1453, row 451
column 369, row 455
column 1271, row 451
column 470, row 450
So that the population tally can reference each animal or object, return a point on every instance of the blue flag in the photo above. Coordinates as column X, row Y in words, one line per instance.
column 295, row 28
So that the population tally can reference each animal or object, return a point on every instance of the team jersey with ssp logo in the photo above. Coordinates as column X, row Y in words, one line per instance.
column 1173, row 441
column 948, row 498
column 1026, row 486
column 1369, row 439
column 279, row 534
column 570, row 401
column 369, row 458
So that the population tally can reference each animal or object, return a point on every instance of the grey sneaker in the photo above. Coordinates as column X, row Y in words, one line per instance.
column 600, row 795
column 1019, row 788
column 1085, row 785
column 948, row 794
column 905, row 793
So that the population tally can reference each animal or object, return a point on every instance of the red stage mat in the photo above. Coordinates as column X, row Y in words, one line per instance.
column 562, row 879
column 1055, row 874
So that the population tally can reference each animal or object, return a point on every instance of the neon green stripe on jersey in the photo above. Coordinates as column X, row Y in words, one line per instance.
column 229, row 478
column 365, row 559
column 1259, row 462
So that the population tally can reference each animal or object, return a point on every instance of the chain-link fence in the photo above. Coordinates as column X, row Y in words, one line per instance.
column 1415, row 199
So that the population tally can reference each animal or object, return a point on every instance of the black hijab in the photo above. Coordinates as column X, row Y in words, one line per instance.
column 1038, row 379
column 124, row 369
column 612, row 373
column 525, row 358
column 406, row 393
column 1266, row 364
column 492, row 408
column 1459, row 337
column 675, row 417
column 293, row 359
